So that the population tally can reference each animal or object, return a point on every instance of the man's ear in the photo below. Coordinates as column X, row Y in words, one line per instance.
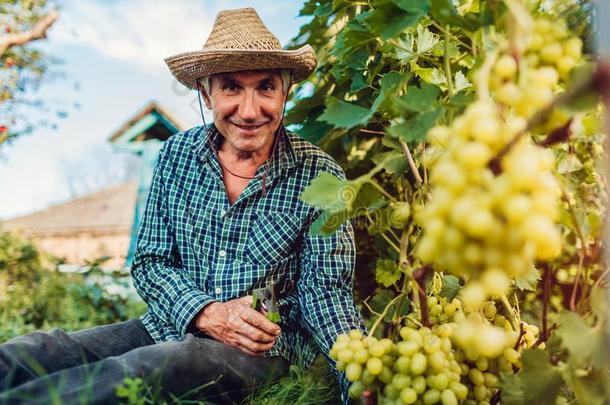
column 206, row 99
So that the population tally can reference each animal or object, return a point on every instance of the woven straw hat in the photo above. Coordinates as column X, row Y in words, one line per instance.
column 240, row 41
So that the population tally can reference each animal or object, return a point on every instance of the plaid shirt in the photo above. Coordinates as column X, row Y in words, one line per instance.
column 194, row 248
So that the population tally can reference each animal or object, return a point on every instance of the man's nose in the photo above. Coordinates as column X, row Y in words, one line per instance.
column 248, row 107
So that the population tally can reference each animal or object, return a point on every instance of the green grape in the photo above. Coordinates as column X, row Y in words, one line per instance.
column 402, row 364
column 419, row 384
column 408, row 396
column 418, row 363
column 345, row 356
column 400, row 381
column 377, row 349
column 476, row 376
column 361, row 356
column 353, row 371
column 432, row 396
column 367, row 378
column 374, row 365
column 356, row 390
column 386, row 375
column 460, row 390
column 448, row 398
column 441, row 381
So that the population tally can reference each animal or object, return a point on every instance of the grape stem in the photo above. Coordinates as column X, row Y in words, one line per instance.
column 546, row 291
column 383, row 314
column 407, row 152
column 598, row 81
column 420, row 276
column 510, row 312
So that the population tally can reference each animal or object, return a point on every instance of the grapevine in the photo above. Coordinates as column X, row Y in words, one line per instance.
column 472, row 144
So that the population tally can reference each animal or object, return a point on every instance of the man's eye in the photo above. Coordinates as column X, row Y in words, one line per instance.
column 230, row 87
column 267, row 87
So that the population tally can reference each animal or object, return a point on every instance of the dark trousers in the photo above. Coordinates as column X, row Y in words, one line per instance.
column 88, row 365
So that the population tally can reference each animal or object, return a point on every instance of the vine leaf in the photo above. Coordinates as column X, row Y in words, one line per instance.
column 590, row 389
column 540, row 380
column 419, row 99
column 330, row 193
column 342, row 114
column 387, row 272
column 415, row 129
column 391, row 17
column 529, row 280
column 586, row 345
column 512, row 393
column 451, row 287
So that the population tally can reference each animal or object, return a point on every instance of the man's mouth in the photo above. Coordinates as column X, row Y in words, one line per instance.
column 248, row 127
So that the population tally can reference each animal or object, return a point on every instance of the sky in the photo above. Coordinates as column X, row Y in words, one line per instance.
column 112, row 61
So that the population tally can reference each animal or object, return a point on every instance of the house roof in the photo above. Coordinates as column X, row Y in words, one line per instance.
column 107, row 211
column 151, row 122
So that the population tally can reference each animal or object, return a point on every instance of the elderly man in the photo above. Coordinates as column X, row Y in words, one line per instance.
column 223, row 217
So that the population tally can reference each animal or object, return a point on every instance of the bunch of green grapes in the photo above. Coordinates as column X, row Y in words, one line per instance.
column 420, row 367
column 488, row 228
column 528, row 82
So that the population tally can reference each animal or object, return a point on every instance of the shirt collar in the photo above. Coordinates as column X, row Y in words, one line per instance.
column 283, row 159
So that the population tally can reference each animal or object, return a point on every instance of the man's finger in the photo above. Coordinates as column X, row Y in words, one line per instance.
column 252, row 346
column 259, row 321
column 255, row 334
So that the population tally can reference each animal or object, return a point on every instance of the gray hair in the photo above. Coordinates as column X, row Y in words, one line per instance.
column 285, row 74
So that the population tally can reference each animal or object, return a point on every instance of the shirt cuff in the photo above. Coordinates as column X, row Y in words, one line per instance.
column 188, row 306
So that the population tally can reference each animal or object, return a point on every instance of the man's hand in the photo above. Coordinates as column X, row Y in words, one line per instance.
column 235, row 323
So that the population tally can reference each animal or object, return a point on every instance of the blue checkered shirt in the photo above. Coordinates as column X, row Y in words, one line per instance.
column 195, row 248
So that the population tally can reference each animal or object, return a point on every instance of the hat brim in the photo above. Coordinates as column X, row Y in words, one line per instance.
column 187, row 67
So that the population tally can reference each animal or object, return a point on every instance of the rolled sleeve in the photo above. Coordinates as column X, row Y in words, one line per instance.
column 157, row 271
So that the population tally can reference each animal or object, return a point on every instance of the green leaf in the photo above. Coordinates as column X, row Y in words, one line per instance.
column 540, row 380
column 328, row 222
column 393, row 162
column 425, row 40
column 415, row 129
column 353, row 37
column 512, row 393
column 529, row 280
column 381, row 300
column 329, row 193
column 592, row 388
column 460, row 82
column 387, row 273
column 451, row 287
column 341, row 114
column 390, row 83
column 419, row 99
column 390, row 18
column 587, row 346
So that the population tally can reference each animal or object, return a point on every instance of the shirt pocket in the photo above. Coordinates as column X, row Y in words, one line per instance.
column 274, row 236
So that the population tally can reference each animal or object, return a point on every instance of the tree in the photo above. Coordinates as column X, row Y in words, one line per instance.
column 22, row 67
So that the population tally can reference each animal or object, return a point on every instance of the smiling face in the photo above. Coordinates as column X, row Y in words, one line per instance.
column 247, row 108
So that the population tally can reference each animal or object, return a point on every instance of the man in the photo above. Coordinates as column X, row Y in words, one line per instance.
column 223, row 217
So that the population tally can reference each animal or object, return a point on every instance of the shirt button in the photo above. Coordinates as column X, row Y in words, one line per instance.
column 222, row 253
column 218, row 290
column 223, row 213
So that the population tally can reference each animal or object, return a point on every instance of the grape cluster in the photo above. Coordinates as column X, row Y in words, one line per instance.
column 528, row 83
column 420, row 367
column 486, row 227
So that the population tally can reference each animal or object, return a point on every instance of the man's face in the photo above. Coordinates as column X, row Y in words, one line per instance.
column 247, row 108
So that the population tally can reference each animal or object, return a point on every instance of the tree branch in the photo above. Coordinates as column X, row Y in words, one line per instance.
column 39, row 31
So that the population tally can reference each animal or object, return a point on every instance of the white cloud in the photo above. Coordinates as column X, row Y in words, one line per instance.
column 138, row 31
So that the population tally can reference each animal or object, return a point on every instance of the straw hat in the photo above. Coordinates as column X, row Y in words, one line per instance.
column 240, row 41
